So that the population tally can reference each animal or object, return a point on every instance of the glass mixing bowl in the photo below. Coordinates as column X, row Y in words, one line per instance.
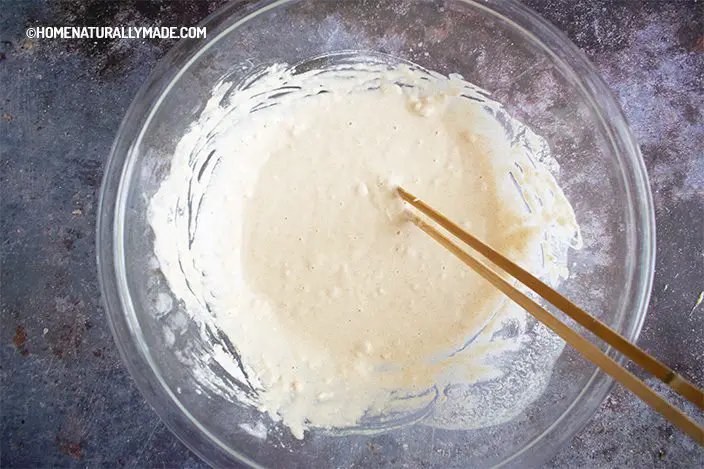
column 540, row 77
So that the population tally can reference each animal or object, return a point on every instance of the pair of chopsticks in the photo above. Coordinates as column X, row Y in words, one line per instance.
column 582, row 345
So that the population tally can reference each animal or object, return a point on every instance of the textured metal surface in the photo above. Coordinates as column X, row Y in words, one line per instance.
column 65, row 398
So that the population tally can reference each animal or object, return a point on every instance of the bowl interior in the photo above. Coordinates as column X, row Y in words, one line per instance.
column 502, row 47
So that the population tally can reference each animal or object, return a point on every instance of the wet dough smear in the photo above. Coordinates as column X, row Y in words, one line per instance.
column 278, row 225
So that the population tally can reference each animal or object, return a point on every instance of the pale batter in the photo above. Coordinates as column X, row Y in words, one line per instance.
column 279, row 226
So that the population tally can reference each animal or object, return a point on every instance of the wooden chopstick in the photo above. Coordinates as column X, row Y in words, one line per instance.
column 598, row 328
column 582, row 345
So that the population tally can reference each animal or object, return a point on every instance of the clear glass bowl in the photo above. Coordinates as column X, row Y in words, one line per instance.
column 533, row 70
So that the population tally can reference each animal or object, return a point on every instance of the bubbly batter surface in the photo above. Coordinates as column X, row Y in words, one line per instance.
column 279, row 226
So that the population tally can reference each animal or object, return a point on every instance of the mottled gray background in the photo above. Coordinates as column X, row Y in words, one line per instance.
column 65, row 398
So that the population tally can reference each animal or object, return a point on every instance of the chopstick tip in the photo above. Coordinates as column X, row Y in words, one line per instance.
column 405, row 195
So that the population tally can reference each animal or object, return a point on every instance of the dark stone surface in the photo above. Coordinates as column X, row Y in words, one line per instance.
column 65, row 398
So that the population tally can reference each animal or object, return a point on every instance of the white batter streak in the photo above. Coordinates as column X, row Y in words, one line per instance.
column 278, row 225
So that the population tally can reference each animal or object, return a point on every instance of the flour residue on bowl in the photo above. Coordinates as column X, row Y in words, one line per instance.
column 278, row 229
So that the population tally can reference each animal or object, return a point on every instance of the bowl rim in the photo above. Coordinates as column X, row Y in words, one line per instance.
column 177, row 61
